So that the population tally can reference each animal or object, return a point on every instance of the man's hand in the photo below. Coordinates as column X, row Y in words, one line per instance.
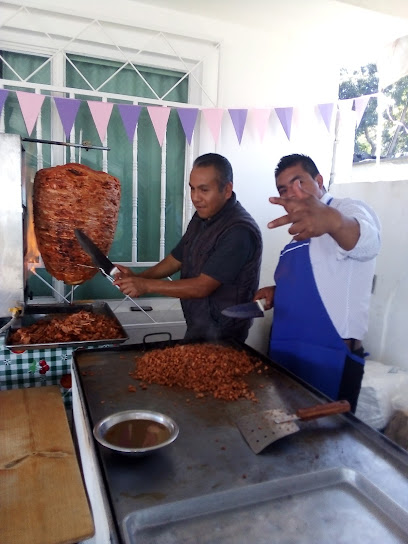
column 310, row 218
column 129, row 282
column 131, row 285
column 123, row 272
column 305, row 212
column 268, row 293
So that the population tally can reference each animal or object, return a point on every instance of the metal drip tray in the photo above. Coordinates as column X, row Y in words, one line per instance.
column 34, row 313
column 314, row 507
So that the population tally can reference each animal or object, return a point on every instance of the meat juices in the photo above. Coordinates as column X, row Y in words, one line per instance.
column 137, row 433
column 68, row 197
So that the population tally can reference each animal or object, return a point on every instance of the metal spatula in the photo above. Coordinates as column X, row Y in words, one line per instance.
column 247, row 310
column 263, row 428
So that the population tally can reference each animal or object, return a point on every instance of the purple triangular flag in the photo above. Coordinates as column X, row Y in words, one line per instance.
column 238, row 117
column 326, row 111
column 285, row 117
column 3, row 96
column 188, row 118
column 130, row 116
column 67, row 110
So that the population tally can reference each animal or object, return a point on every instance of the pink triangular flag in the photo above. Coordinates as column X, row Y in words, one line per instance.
column 261, row 117
column 188, row 118
column 130, row 116
column 238, row 117
column 285, row 117
column 326, row 111
column 360, row 105
column 30, row 105
column 159, row 116
column 101, row 112
column 213, row 117
column 67, row 110
column 3, row 96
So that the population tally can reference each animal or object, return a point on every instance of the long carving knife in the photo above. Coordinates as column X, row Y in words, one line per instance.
column 247, row 310
column 98, row 258
column 102, row 262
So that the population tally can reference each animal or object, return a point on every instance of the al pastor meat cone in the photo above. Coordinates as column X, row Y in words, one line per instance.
column 68, row 197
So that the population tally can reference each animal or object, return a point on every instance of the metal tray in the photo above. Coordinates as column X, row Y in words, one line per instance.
column 35, row 312
column 280, row 510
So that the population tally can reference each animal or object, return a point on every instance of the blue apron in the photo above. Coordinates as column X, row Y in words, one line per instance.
column 303, row 338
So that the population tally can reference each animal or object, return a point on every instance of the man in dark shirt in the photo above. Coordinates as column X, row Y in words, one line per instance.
column 219, row 257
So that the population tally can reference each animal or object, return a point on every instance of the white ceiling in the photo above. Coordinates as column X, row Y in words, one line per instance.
column 261, row 13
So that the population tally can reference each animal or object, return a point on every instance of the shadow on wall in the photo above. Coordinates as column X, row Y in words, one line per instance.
column 258, row 337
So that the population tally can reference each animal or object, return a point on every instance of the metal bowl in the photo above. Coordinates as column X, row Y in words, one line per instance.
column 102, row 427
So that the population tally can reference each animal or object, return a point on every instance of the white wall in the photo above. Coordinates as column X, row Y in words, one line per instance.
column 296, row 63
column 386, row 338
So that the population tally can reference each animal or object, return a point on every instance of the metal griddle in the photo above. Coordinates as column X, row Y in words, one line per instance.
column 335, row 476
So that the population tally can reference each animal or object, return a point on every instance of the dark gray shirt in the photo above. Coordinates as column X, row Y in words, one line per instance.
column 233, row 249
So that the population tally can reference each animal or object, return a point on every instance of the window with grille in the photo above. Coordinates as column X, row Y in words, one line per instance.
column 392, row 124
column 58, row 52
column 140, row 204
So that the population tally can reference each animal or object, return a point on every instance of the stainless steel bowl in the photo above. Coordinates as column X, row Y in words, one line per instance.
column 105, row 424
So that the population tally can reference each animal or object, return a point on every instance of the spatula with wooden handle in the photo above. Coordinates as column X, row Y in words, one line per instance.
column 263, row 428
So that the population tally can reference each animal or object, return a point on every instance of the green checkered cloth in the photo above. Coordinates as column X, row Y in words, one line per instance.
column 19, row 370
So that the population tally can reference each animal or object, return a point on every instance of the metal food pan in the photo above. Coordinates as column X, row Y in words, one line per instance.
column 308, row 508
column 35, row 312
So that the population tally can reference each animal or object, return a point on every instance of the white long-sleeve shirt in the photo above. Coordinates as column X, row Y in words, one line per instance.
column 344, row 278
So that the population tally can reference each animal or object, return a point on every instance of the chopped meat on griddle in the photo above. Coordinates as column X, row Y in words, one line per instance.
column 205, row 368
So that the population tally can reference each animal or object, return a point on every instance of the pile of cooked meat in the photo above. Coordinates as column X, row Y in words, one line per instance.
column 67, row 197
column 79, row 326
column 207, row 369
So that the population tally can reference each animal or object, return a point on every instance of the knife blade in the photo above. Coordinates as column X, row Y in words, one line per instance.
column 98, row 258
column 247, row 310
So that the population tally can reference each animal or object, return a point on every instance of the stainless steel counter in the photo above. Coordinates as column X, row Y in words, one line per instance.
column 335, row 480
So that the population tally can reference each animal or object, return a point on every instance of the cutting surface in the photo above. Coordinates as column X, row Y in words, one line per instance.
column 42, row 496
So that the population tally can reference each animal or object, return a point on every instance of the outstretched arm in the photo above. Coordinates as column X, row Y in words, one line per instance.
column 167, row 267
column 136, row 286
column 309, row 218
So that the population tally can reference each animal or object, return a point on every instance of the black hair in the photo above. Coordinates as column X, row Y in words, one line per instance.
column 220, row 163
column 292, row 160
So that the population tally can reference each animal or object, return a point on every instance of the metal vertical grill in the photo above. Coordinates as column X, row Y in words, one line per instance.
column 13, row 213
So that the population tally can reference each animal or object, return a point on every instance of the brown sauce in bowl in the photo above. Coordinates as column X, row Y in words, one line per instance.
column 137, row 433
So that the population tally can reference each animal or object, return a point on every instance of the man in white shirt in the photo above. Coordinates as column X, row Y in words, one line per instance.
column 323, row 281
